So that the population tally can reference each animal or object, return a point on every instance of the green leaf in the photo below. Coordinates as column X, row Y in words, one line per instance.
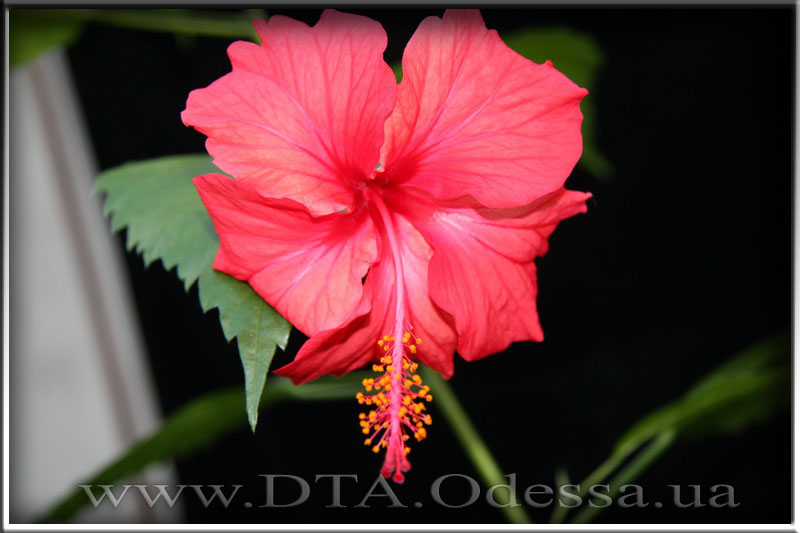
column 165, row 219
column 749, row 388
column 197, row 426
column 397, row 68
column 577, row 56
column 208, row 23
column 35, row 31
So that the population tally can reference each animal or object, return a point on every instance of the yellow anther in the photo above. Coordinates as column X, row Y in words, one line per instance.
column 428, row 420
column 429, row 398
column 406, row 403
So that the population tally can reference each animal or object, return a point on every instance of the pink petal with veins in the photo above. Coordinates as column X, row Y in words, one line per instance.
column 341, row 350
column 482, row 271
column 301, row 116
column 475, row 118
column 308, row 268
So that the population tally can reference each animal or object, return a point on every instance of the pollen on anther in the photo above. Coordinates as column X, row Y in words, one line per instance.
column 397, row 396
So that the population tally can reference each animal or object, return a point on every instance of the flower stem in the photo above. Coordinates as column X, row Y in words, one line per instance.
column 597, row 476
column 477, row 451
column 639, row 464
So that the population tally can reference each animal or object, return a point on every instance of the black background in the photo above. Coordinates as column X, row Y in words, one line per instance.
column 683, row 260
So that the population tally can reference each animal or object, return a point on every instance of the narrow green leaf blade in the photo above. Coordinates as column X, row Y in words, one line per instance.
column 165, row 219
column 197, row 426
column 749, row 388
column 208, row 23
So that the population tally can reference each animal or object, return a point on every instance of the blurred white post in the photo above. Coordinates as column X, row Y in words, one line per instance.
column 80, row 388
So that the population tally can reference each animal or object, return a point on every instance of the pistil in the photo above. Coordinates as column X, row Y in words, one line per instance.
column 397, row 393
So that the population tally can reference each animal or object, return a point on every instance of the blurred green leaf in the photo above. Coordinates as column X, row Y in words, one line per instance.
column 749, row 388
column 197, row 426
column 577, row 56
column 397, row 68
column 165, row 219
column 35, row 31
column 207, row 23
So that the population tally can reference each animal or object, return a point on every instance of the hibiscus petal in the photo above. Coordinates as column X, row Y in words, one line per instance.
column 340, row 350
column 483, row 272
column 301, row 116
column 434, row 326
column 309, row 269
column 344, row 349
column 475, row 118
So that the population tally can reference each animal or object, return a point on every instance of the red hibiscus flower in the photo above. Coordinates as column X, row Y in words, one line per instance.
column 410, row 214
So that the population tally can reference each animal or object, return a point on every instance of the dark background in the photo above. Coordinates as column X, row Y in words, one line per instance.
column 683, row 260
